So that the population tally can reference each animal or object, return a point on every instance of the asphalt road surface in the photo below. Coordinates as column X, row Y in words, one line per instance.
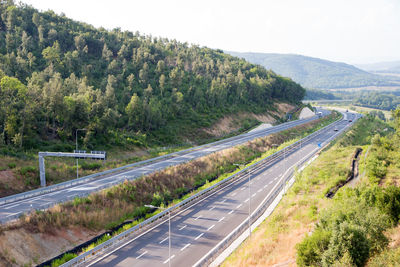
column 199, row 228
column 14, row 209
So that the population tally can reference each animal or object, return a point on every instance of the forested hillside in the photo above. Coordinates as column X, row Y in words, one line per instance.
column 58, row 75
column 317, row 73
column 384, row 100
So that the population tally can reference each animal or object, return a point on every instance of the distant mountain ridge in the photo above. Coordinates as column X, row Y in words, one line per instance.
column 383, row 67
column 315, row 72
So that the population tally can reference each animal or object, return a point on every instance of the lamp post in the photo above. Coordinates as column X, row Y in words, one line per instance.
column 169, row 231
column 76, row 147
column 248, row 175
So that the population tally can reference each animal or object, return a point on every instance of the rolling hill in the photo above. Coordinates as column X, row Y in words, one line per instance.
column 317, row 73
column 58, row 75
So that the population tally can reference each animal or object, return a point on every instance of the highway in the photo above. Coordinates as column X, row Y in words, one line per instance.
column 199, row 228
column 14, row 209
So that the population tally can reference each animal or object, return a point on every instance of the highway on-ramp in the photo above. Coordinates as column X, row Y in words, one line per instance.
column 13, row 209
column 199, row 228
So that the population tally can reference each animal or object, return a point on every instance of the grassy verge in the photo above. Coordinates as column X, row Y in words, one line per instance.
column 305, row 210
column 113, row 206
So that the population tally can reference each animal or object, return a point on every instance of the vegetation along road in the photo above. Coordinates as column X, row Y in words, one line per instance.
column 14, row 209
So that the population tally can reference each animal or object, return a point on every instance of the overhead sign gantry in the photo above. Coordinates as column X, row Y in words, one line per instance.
column 78, row 154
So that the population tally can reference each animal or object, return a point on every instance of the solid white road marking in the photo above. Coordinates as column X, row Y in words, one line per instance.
column 200, row 235
column 259, row 190
column 198, row 218
column 12, row 214
column 167, row 260
column 163, row 240
column 188, row 244
column 138, row 257
column 221, row 219
column 212, row 207
column 211, row 227
column 254, row 195
column 223, row 201
column 238, row 206
column 183, row 227
column 9, row 207
column 233, row 194
column 230, row 212
column 246, row 200
column 243, row 188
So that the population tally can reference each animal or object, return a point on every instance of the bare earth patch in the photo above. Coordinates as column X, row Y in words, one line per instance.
column 9, row 182
column 231, row 123
column 16, row 246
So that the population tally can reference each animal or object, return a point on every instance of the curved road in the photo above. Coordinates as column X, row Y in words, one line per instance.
column 198, row 229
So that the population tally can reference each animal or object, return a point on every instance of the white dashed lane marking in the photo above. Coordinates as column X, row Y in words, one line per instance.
column 200, row 235
column 138, row 257
column 188, row 244
column 165, row 239
column 167, row 260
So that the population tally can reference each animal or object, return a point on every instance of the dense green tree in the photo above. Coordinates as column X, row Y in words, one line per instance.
column 79, row 76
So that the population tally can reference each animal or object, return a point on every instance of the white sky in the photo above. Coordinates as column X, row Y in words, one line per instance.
column 351, row 31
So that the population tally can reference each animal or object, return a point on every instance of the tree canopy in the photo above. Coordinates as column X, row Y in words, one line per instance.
column 59, row 75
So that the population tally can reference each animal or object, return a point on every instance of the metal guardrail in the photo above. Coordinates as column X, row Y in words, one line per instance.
column 120, row 238
column 88, row 178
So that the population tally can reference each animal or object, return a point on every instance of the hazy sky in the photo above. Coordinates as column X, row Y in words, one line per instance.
column 352, row 31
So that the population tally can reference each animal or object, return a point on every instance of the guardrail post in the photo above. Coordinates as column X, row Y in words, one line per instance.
column 42, row 171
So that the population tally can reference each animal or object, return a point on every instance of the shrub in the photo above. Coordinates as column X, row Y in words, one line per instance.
column 27, row 169
column 91, row 165
column 310, row 250
column 347, row 238
column 11, row 165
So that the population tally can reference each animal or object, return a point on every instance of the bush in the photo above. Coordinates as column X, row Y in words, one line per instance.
column 352, row 228
column 347, row 238
column 27, row 169
column 310, row 250
column 11, row 165
column 90, row 166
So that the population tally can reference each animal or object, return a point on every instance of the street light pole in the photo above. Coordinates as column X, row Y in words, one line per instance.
column 169, row 231
column 76, row 147
column 248, row 175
